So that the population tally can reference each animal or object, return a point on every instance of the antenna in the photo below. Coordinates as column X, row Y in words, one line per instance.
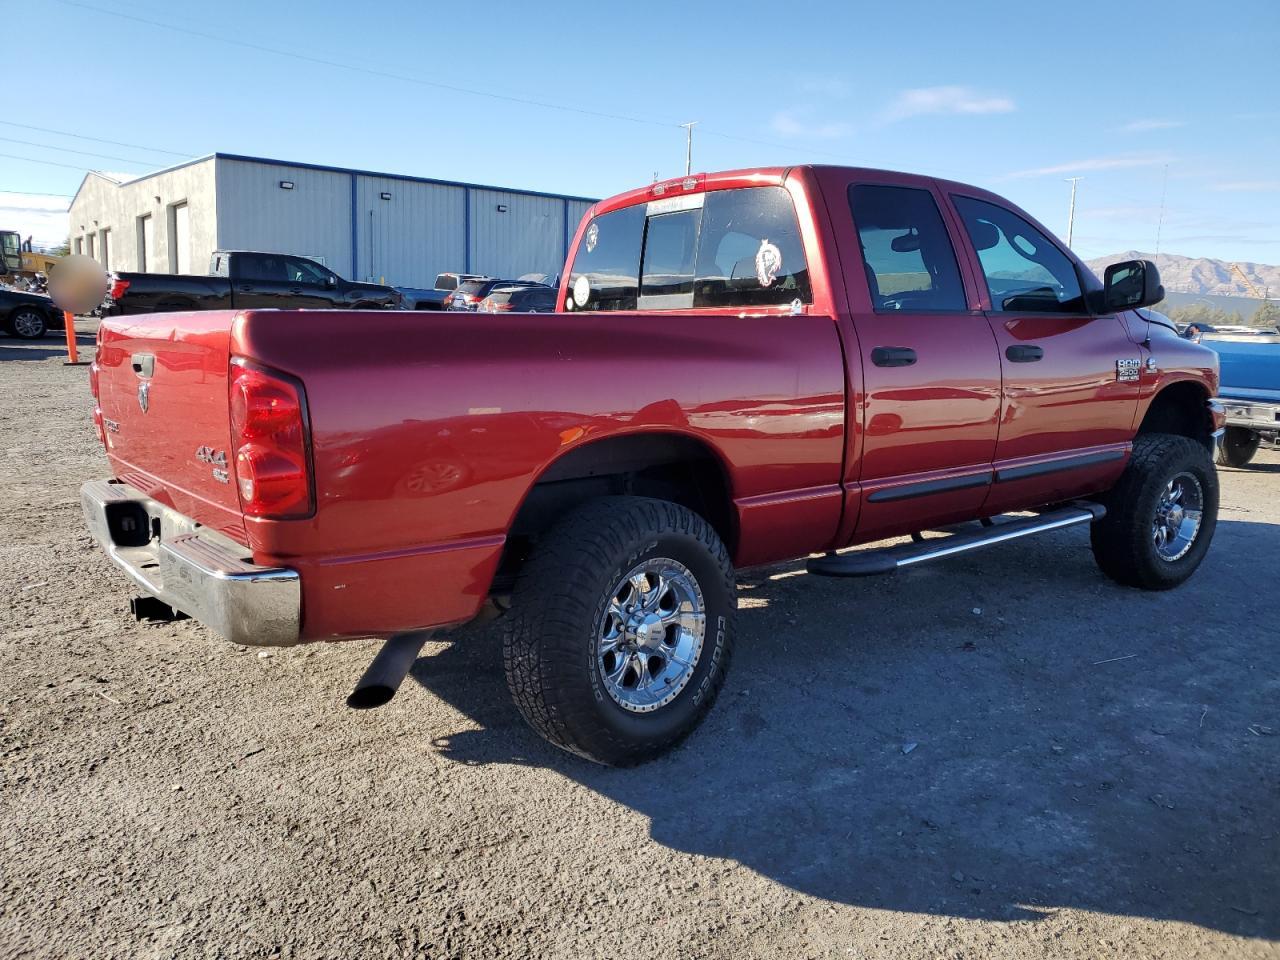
column 1164, row 187
column 1071, row 212
column 688, row 145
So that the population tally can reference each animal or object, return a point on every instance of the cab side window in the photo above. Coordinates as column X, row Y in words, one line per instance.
column 1025, row 270
column 261, row 267
column 305, row 272
column 907, row 255
column 750, row 253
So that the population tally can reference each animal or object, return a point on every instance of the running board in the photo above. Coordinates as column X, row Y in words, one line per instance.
column 870, row 563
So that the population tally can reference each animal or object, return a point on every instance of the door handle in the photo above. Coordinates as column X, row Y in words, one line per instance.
column 143, row 364
column 1023, row 353
column 893, row 356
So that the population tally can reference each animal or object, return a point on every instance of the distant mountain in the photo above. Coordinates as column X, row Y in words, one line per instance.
column 1201, row 275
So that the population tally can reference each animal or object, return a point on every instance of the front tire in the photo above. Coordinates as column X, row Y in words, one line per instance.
column 1238, row 446
column 1161, row 514
column 620, row 629
column 27, row 324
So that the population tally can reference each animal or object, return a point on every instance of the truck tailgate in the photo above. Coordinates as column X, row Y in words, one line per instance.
column 162, row 387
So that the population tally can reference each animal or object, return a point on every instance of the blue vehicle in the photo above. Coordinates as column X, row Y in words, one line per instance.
column 1250, row 391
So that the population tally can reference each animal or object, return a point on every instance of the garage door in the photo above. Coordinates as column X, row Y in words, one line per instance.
column 181, row 259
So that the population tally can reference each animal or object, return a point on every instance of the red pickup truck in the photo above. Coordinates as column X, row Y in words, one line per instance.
column 748, row 367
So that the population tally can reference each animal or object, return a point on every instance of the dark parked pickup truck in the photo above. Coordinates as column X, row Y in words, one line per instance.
column 747, row 367
column 244, row 280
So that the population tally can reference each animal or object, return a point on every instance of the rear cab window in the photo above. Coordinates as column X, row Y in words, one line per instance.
column 738, row 249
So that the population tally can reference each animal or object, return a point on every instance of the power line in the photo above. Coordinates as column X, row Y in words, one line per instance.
column 81, row 136
column 37, row 193
column 47, row 163
column 356, row 68
column 83, row 153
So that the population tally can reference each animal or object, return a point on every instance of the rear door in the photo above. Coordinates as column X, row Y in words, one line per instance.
column 1071, row 378
column 931, row 372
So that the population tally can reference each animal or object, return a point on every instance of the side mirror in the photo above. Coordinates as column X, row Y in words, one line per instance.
column 1130, row 284
column 330, row 282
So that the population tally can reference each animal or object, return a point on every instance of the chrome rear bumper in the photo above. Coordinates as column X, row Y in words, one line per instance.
column 191, row 568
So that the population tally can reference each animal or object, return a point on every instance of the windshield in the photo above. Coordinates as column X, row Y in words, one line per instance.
column 11, row 244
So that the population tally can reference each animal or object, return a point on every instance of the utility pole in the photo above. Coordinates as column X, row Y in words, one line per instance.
column 688, row 146
column 1071, row 213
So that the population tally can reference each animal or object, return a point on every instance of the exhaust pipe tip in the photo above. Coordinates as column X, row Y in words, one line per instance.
column 371, row 697
column 387, row 671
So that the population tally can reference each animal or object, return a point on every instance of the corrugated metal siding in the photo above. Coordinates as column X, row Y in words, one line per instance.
column 312, row 219
column 577, row 209
column 418, row 233
column 527, row 238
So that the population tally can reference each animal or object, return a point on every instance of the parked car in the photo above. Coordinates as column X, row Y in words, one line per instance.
column 415, row 298
column 530, row 299
column 1250, row 391
column 245, row 279
column 471, row 292
column 28, row 316
column 750, row 367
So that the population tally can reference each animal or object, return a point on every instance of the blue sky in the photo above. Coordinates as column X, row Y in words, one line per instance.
column 1176, row 98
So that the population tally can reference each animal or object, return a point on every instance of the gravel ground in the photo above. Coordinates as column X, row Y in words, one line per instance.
column 1005, row 756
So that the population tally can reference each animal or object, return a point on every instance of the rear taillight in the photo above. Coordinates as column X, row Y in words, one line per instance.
column 118, row 287
column 504, row 306
column 270, row 443
column 93, row 379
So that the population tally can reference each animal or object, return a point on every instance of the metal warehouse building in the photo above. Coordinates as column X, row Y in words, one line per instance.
column 365, row 226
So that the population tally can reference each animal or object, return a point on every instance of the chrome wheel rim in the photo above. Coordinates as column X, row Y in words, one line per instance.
column 28, row 324
column 650, row 635
column 1179, row 514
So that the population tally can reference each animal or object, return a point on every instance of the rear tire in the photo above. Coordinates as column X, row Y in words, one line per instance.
column 27, row 324
column 1238, row 446
column 1161, row 514
column 604, row 650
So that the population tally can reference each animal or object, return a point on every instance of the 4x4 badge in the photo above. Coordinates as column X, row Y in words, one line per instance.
column 144, row 395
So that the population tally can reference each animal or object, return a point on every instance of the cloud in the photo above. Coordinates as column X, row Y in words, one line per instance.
column 797, row 124
column 1122, row 162
column 1142, row 126
column 948, row 100
column 41, row 216
column 1246, row 186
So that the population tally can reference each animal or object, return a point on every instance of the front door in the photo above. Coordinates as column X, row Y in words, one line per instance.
column 275, row 280
column 931, row 373
column 1068, row 406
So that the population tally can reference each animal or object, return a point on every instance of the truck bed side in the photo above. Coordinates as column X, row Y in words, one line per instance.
column 429, row 433
column 164, row 292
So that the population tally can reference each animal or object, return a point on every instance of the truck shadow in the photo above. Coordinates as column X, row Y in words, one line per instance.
column 995, row 737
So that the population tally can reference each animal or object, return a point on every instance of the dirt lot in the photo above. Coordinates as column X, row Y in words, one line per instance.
column 1095, row 771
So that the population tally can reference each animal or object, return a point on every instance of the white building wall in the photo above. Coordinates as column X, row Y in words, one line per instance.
column 313, row 219
column 526, row 237
column 101, row 205
column 417, row 233
column 338, row 216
